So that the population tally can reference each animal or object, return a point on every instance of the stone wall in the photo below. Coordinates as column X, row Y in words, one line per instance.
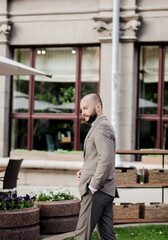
column 5, row 27
column 62, row 22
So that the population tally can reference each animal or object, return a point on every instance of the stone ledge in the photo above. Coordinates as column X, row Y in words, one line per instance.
column 33, row 155
column 46, row 164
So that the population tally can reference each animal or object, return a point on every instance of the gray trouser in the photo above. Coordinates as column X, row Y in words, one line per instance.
column 96, row 210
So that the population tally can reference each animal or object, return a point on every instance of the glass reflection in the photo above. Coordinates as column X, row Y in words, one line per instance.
column 90, row 70
column 165, row 135
column 51, row 135
column 166, row 83
column 148, row 76
column 56, row 95
column 20, row 98
column 19, row 134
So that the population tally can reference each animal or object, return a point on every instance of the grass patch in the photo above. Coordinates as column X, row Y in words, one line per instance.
column 149, row 232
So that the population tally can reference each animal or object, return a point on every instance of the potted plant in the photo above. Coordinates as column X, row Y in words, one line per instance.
column 19, row 218
column 59, row 210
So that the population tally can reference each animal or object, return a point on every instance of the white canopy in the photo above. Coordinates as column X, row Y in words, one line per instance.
column 11, row 67
column 21, row 101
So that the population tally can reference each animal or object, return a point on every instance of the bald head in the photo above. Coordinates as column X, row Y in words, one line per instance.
column 91, row 107
column 94, row 99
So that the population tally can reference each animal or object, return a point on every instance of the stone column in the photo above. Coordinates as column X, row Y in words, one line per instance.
column 127, row 95
column 127, row 90
column 4, row 81
column 105, row 78
column 129, row 24
column 128, row 64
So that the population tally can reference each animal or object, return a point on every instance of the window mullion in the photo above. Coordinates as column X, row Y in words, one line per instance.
column 31, row 102
column 162, row 96
column 77, row 99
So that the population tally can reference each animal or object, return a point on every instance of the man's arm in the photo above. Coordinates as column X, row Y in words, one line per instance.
column 105, row 145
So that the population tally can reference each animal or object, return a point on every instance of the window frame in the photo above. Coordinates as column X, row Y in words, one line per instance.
column 31, row 116
column 160, row 117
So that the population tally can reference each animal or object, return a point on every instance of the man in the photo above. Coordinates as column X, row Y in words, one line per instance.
column 97, row 185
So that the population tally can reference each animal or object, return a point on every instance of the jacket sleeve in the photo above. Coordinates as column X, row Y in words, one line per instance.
column 105, row 145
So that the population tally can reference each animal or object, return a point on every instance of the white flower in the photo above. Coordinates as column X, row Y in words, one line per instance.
column 50, row 193
column 55, row 192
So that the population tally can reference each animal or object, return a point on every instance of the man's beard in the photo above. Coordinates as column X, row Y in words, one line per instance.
column 92, row 117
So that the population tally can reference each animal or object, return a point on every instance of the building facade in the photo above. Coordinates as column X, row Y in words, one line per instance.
column 72, row 40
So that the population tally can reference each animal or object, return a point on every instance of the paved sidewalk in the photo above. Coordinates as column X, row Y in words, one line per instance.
column 60, row 236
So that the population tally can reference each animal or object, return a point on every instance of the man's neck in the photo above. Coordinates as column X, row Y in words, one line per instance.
column 101, row 115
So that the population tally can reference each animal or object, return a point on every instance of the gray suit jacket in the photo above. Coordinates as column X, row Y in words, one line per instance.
column 99, row 159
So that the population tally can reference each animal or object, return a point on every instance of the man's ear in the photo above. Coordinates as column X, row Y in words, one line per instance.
column 98, row 107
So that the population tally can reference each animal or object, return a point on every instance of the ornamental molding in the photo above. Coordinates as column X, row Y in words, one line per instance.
column 129, row 25
column 129, row 29
column 103, row 26
column 5, row 29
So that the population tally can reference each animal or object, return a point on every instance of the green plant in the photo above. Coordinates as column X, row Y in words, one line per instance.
column 41, row 237
column 68, row 94
column 13, row 202
column 58, row 194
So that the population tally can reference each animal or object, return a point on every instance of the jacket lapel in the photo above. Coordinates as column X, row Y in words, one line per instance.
column 92, row 129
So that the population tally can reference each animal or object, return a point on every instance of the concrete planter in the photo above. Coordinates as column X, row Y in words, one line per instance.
column 20, row 224
column 58, row 216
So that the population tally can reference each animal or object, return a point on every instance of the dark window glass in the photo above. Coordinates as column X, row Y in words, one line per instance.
column 147, row 134
column 165, row 135
column 51, row 135
column 166, row 83
column 148, row 76
column 166, row 98
column 19, row 134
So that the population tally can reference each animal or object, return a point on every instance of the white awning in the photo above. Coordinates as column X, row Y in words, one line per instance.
column 10, row 67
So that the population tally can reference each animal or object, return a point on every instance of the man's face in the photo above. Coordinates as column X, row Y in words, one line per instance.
column 88, row 111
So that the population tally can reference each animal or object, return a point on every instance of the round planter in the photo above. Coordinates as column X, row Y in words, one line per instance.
column 20, row 224
column 58, row 216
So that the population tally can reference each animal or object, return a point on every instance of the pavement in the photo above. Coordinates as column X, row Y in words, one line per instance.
column 59, row 236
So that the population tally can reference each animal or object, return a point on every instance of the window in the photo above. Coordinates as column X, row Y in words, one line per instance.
column 46, row 111
column 20, row 102
column 148, row 84
column 55, row 95
column 153, row 97
column 56, row 134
